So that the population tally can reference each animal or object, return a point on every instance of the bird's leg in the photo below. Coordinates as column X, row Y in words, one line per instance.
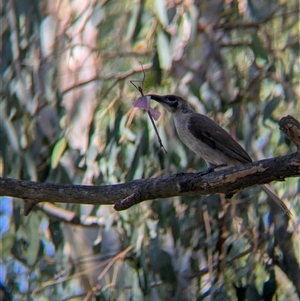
column 213, row 168
column 210, row 169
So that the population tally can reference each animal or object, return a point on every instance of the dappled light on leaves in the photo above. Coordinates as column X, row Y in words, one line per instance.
column 69, row 115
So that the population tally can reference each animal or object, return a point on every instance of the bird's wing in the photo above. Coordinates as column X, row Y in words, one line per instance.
column 209, row 132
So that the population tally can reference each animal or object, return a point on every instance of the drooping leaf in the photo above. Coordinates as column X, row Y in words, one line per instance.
column 164, row 50
column 58, row 151
column 133, row 25
column 270, row 107
column 32, row 228
column 258, row 48
column 161, row 10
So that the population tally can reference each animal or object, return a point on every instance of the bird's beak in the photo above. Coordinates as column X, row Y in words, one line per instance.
column 168, row 101
column 163, row 100
column 158, row 98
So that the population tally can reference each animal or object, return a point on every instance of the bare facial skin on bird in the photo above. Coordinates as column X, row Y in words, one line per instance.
column 207, row 139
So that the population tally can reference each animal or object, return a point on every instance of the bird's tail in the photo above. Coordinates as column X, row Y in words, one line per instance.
column 276, row 199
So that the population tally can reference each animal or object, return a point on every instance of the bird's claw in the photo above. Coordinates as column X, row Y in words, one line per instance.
column 178, row 174
column 210, row 169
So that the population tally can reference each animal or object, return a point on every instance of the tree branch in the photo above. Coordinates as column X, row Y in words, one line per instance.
column 125, row 195
column 226, row 181
column 117, row 77
column 291, row 128
column 71, row 217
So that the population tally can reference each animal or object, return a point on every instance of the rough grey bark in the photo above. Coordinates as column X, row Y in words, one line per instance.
column 125, row 195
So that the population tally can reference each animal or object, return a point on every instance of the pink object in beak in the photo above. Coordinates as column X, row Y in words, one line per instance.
column 143, row 103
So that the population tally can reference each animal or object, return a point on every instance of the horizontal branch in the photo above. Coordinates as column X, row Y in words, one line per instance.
column 115, row 76
column 71, row 217
column 125, row 195
column 243, row 25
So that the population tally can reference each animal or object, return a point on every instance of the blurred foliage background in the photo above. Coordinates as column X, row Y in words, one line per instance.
column 67, row 117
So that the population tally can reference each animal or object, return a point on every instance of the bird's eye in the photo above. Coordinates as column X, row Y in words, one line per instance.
column 172, row 98
column 172, row 101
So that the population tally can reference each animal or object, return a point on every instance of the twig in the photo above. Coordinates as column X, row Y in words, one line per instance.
column 117, row 77
column 68, row 216
column 252, row 24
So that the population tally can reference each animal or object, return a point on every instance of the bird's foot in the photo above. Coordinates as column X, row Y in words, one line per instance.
column 210, row 169
column 213, row 168
column 179, row 174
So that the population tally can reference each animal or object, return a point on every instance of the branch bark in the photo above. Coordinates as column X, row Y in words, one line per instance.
column 125, row 195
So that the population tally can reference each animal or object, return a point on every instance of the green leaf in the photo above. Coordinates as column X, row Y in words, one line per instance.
column 160, row 7
column 58, row 150
column 32, row 228
column 164, row 51
column 270, row 107
column 133, row 21
column 258, row 49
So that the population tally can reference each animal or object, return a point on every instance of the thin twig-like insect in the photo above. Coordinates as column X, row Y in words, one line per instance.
column 148, row 109
column 139, row 88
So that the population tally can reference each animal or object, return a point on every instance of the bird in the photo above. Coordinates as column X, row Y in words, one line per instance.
column 208, row 140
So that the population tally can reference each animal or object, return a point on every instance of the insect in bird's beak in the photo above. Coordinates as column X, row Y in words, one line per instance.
column 144, row 103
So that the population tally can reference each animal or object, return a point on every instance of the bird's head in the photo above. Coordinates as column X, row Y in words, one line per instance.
column 172, row 103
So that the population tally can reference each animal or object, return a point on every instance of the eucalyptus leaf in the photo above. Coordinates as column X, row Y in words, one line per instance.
column 47, row 34
column 32, row 228
column 66, row 101
column 58, row 151
column 164, row 50
column 161, row 10
column 258, row 49
column 133, row 20
column 270, row 107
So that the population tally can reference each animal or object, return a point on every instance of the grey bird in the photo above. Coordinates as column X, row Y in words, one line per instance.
column 207, row 139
